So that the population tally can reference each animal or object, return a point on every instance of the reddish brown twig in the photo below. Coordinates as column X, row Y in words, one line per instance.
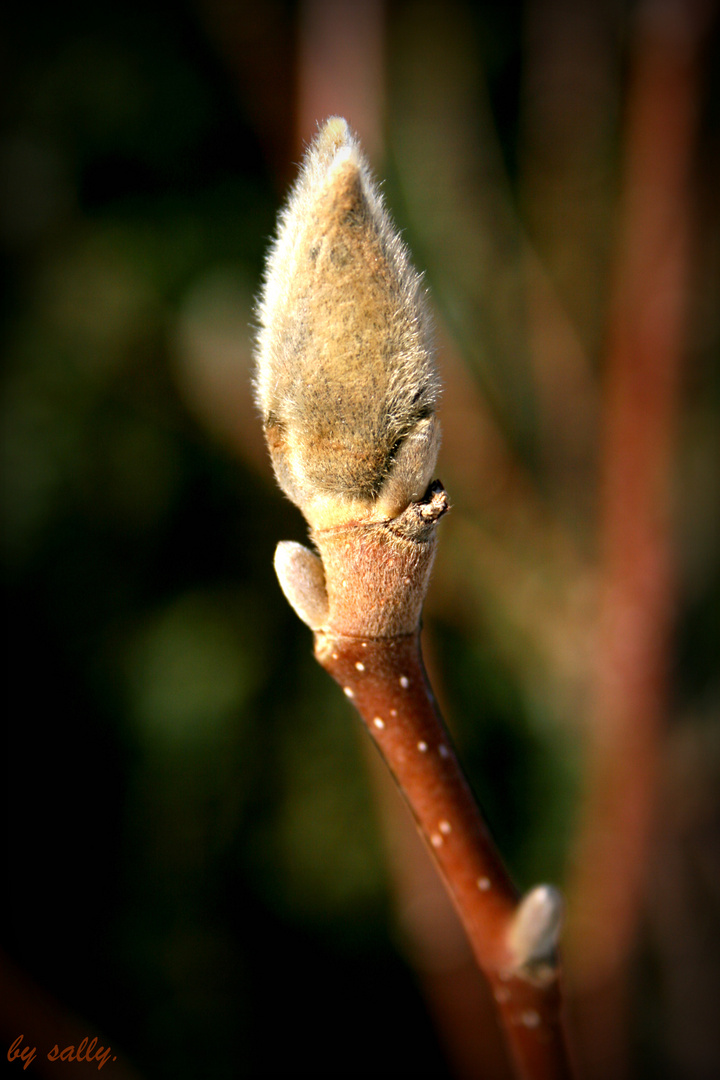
column 637, row 594
column 386, row 682
column 375, row 578
column 347, row 387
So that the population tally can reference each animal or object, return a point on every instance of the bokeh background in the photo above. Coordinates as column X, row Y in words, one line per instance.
column 205, row 866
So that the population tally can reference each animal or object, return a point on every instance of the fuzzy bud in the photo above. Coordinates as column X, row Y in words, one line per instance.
column 535, row 930
column 346, row 380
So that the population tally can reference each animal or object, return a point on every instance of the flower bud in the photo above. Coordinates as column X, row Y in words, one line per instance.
column 346, row 379
column 535, row 930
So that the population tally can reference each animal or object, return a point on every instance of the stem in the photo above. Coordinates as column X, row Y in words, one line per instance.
column 433, row 939
column 348, row 390
column 641, row 410
column 363, row 596
column 386, row 681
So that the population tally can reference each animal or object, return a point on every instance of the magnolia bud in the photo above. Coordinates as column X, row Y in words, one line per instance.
column 534, row 932
column 346, row 380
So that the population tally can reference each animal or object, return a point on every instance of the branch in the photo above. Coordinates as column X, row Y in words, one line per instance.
column 375, row 578
column 384, row 677
column 347, row 385
column 641, row 409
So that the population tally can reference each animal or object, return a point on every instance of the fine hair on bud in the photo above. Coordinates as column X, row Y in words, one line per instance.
column 346, row 379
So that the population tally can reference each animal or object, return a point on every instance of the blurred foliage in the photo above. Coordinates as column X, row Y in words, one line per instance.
column 188, row 808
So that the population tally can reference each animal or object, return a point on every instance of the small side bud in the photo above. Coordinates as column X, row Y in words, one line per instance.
column 535, row 929
column 346, row 378
column 302, row 579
